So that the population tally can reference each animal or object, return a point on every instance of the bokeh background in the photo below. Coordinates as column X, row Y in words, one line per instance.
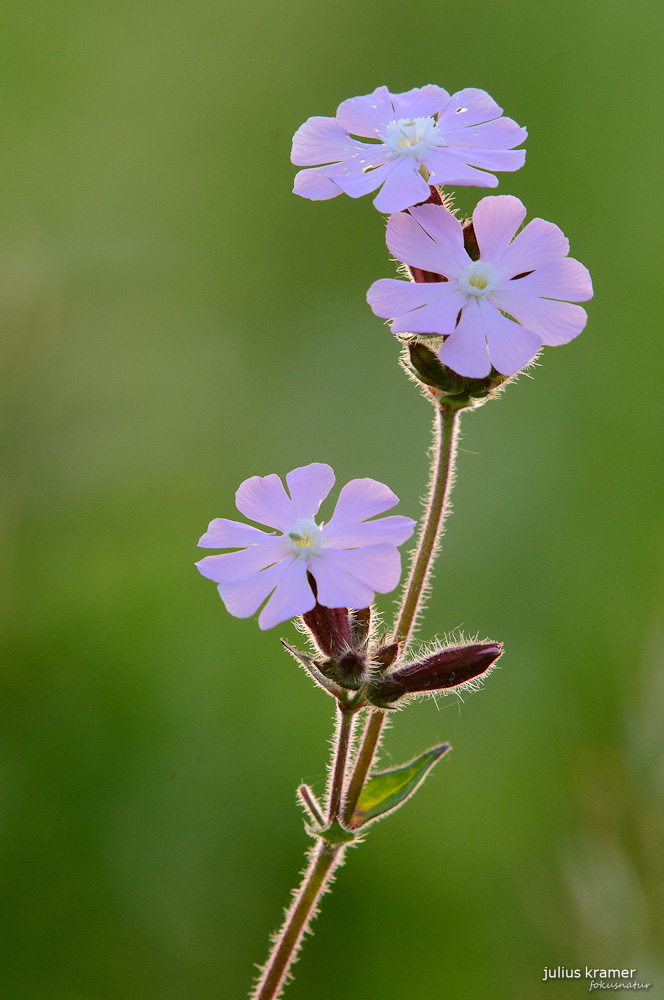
column 175, row 320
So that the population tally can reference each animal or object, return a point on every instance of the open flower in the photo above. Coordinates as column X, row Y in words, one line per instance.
column 349, row 557
column 418, row 138
column 530, row 278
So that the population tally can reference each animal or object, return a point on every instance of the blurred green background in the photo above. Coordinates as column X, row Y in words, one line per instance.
column 175, row 320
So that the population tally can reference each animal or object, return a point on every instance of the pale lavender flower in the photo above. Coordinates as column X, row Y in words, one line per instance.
column 418, row 138
column 349, row 557
column 529, row 278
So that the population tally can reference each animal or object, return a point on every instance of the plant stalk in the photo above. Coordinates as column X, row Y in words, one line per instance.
column 324, row 859
column 345, row 721
column 327, row 856
column 442, row 479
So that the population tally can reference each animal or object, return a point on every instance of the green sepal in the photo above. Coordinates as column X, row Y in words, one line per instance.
column 388, row 790
column 432, row 372
column 311, row 667
column 457, row 391
column 352, row 700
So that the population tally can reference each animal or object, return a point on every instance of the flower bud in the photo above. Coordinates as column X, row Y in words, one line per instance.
column 346, row 670
column 360, row 628
column 470, row 240
column 445, row 669
column 330, row 629
column 386, row 655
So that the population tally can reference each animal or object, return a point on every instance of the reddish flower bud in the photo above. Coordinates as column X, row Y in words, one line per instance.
column 330, row 629
column 346, row 670
column 360, row 627
column 470, row 240
column 442, row 670
column 386, row 655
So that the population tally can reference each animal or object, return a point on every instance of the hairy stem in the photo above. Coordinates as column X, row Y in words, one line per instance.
column 273, row 978
column 345, row 720
column 325, row 858
column 363, row 762
column 442, row 478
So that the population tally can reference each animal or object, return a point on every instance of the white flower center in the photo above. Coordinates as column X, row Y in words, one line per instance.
column 478, row 279
column 304, row 538
column 411, row 136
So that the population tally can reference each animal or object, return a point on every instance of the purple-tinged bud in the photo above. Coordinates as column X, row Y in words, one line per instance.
column 470, row 240
column 346, row 670
column 441, row 671
column 330, row 629
column 386, row 655
column 360, row 628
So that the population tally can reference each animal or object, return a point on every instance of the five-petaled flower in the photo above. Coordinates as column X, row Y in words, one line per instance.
column 418, row 138
column 530, row 279
column 349, row 557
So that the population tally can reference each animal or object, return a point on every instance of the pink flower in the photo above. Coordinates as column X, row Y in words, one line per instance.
column 349, row 557
column 418, row 138
column 529, row 278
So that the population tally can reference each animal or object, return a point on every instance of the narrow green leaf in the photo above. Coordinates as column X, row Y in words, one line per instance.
column 388, row 790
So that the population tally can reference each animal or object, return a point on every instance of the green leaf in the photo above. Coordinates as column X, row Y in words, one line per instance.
column 388, row 790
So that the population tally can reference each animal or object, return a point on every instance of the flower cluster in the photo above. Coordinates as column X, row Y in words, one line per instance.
column 494, row 312
column 492, row 294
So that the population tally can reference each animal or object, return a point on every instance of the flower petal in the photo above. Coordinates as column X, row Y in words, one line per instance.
column 420, row 102
column 428, row 237
column 394, row 530
column 315, row 184
column 389, row 297
column 308, row 487
column 366, row 115
column 360, row 183
column 439, row 316
column 491, row 159
column 292, row 597
column 235, row 565
column 422, row 307
column 336, row 589
column 465, row 351
column 225, row 534
column 360, row 499
column 511, row 346
column 264, row 499
column 321, row 140
column 554, row 322
column 495, row 220
column 538, row 244
column 244, row 596
column 502, row 133
column 469, row 106
column 449, row 166
column 404, row 186
column 376, row 566
column 564, row 279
